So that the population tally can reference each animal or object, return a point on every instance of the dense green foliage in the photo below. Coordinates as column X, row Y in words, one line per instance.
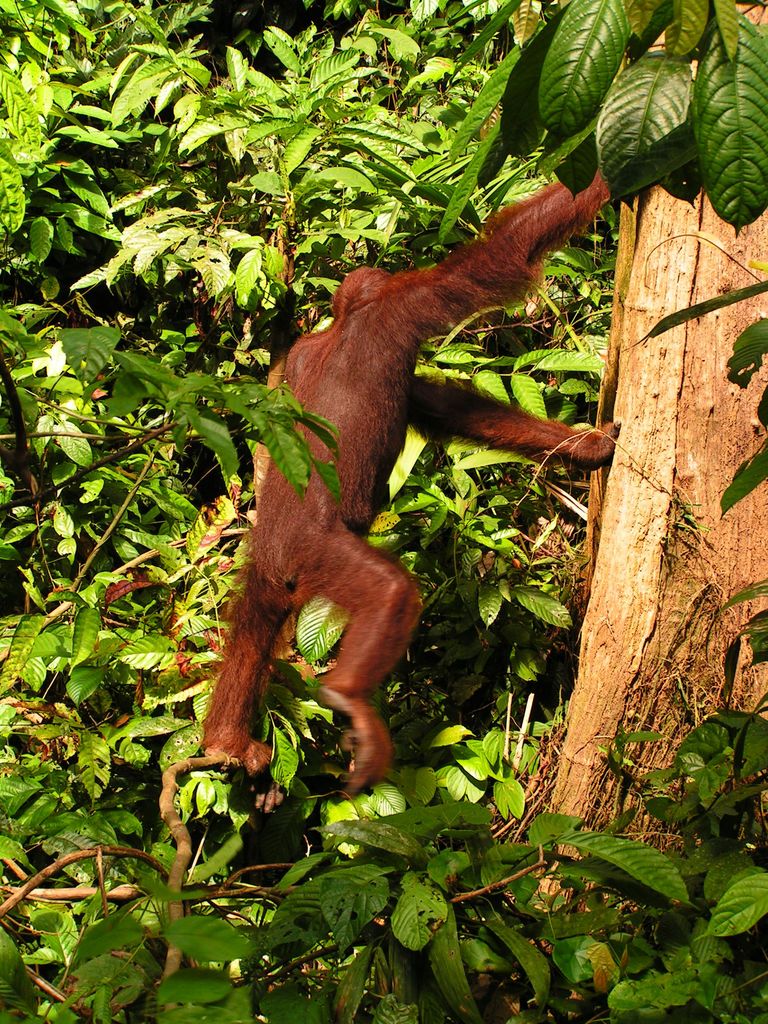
column 177, row 188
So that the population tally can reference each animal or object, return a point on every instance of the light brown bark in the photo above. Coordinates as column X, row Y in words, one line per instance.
column 653, row 639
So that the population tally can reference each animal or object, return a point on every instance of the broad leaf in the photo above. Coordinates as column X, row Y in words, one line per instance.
column 687, row 27
column 748, row 351
column 581, row 63
column 752, row 473
column 741, row 906
column 88, row 349
column 12, row 200
column 646, row 865
column 643, row 131
column 418, row 912
column 730, row 98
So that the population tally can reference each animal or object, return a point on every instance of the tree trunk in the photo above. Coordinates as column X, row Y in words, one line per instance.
column 653, row 639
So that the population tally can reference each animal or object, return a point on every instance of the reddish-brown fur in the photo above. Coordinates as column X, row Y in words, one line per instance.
column 360, row 375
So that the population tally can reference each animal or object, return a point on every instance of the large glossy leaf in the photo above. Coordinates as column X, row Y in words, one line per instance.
column 521, row 125
column 643, row 131
column 730, row 122
column 581, row 63
column 688, row 24
column 742, row 905
column 319, row 626
column 645, row 864
column 378, row 835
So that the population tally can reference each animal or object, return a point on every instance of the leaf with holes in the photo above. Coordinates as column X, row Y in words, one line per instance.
column 730, row 100
column 581, row 63
column 351, row 899
column 418, row 912
column 749, row 349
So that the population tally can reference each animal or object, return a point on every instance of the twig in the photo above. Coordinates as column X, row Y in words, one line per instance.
column 71, row 858
column 17, row 459
column 14, row 868
column 102, row 887
column 120, row 893
column 105, row 460
column 255, row 867
column 502, row 883
column 182, row 839
column 299, row 960
column 145, row 556
column 44, row 986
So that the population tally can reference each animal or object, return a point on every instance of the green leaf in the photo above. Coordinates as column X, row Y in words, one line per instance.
column 380, row 836
column 12, row 200
column 281, row 44
column 445, row 958
column 76, row 449
column 94, row 761
column 683, row 316
column 350, row 899
column 543, row 606
column 237, row 68
column 499, row 20
column 319, row 625
column 208, row 939
column 248, row 276
column 727, row 16
column 521, row 125
column 85, row 634
column 24, row 637
column 289, row 452
column 528, row 395
column 22, row 116
column 116, row 932
column 15, row 987
column 88, row 349
column 730, row 98
column 285, row 759
column 643, row 132
column 40, row 238
column 646, row 865
column 656, row 990
column 351, row 987
column 467, row 183
column 485, row 104
column 748, row 351
column 84, row 682
column 214, row 433
column 489, row 602
column 530, row 959
column 391, row 1011
column 146, row 651
column 299, row 148
column 752, row 473
column 687, row 27
column 420, row 909
column 581, row 63
column 509, row 797
column 194, row 985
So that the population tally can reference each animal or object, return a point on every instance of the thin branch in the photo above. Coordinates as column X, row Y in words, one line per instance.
column 120, row 893
column 71, row 858
column 298, row 961
column 182, row 839
column 255, row 867
column 48, row 492
column 502, row 883
column 46, row 987
column 18, row 459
